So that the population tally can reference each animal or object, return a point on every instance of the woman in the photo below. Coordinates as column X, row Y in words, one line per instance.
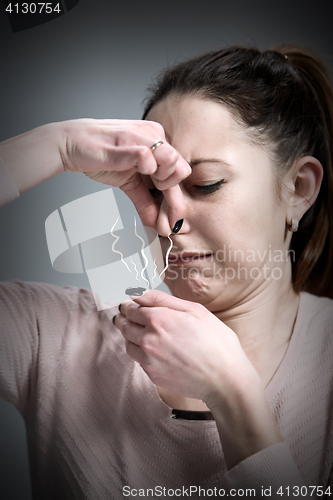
column 240, row 341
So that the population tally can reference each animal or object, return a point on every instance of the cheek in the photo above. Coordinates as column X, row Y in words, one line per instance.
column 245, row 217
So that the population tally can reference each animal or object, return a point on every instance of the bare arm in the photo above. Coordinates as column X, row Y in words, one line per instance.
column 114, row 152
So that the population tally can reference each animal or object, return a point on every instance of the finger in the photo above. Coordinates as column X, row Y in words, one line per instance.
column 176, row 202
column 167, row 159
column 124, row 158
column 168, row 183
column 157, row 298
column 130, row 331
column 133, row 312
column 135, row 352
column 170, row 173
column 170, row 165
column 144, row 203
column 143, row 134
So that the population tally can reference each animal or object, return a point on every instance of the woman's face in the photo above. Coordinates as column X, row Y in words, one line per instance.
column 232, row 244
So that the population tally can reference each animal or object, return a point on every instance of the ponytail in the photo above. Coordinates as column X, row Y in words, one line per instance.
column 313, row 244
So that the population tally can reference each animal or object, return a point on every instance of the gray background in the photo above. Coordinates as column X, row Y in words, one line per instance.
column 96, row 61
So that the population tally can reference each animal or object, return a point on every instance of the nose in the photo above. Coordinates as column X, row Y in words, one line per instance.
column 173, row 209
column 162, row 225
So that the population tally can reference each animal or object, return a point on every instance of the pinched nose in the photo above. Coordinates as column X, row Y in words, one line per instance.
column 163, row 224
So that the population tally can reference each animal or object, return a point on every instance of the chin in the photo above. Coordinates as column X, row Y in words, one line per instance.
column 212, row 294
column 195, row 288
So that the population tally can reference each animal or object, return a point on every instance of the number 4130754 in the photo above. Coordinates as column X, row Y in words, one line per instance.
column 33, row 8
column 304, row 491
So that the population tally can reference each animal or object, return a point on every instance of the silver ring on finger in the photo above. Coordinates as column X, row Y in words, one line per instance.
column 154, row 146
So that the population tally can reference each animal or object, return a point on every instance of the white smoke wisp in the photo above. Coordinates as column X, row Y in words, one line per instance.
column 155, row 268
column 167, row 256
column 113, row 244
column 137, row 272
column 142, row 253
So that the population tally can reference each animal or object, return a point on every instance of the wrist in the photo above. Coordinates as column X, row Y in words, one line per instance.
column 234, row 385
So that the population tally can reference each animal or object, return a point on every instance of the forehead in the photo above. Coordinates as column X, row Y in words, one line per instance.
column 195, row 124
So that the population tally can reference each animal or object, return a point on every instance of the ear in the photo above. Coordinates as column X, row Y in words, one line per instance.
column 305, row 179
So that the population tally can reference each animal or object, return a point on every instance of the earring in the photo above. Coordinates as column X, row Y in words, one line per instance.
column 293, row 227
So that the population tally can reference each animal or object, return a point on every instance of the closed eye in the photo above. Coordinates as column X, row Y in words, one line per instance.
column 209, row 188
column 205, row 189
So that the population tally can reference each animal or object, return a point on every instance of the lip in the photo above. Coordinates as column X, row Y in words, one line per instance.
column 188, row 258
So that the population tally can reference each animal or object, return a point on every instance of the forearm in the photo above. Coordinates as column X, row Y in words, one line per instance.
column 244, row 420
column 34, row 156
column 255, row 454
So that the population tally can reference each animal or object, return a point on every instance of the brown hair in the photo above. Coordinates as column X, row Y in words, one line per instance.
column 285, row 96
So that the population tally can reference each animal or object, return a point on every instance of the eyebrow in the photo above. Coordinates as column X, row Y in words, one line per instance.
column 197, row 161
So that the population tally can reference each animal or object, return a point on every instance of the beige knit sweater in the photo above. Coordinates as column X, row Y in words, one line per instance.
column 97, row 428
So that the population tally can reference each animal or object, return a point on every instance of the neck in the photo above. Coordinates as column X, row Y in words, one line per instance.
column 264, row 324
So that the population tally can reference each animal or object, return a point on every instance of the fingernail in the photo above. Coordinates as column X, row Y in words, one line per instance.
column 178, row 225
column 113, row 319
column 119, row 308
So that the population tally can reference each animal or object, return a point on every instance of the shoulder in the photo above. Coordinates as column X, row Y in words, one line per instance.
column 314, row 334
column 50, row 305
column 41, row 294
column 315, row 303
column 49, row 313
column 48, row 331
column 309, row 383
column 315, row 315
